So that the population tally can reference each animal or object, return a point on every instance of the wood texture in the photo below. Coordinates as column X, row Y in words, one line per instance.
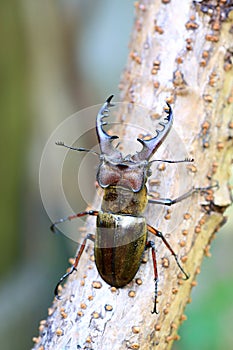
column 180, row 52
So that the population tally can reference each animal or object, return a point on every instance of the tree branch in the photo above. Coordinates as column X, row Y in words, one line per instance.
column 179, row 52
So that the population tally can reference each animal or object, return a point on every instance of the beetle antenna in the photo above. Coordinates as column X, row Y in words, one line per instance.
column 80, row 149
column 186, row 160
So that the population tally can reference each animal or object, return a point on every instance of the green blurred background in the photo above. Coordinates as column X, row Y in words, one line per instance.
column 58, row 57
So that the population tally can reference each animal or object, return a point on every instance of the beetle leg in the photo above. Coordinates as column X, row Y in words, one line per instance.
column 186, row 160
column 160, row 235
column 71, row 217
column 150, row 244
column 77, row 258
column 74, row 266
column 168, row 201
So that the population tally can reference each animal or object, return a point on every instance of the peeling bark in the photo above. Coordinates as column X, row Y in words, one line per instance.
column 180, row 52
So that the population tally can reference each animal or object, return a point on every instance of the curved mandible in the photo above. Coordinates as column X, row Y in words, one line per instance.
column 105, row 140
column 150, row 146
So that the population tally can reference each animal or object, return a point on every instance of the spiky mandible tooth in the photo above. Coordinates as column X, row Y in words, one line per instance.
column 150, row 146
column 105, row 140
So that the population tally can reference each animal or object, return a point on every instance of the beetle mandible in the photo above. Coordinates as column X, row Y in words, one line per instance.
column 121, row 229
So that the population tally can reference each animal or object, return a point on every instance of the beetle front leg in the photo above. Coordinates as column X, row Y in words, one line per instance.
column 160, row 235
column 169, row 202
column 71, row 217
column 150, row 244
column 74, row 266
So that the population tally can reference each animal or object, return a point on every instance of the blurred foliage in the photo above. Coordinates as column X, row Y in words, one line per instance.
column 58, row 57
column 15, row 125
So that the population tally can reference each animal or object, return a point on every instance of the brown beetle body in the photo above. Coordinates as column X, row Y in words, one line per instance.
column 121, row 229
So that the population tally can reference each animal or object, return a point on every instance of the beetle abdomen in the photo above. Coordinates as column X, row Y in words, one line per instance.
column 119, row 245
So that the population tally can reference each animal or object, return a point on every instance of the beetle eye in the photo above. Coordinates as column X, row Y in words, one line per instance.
column 149, row 173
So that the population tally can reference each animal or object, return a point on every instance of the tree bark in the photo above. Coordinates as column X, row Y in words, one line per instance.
column 180, row 52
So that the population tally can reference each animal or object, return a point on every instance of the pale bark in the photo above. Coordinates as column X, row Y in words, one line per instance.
column 194, row 73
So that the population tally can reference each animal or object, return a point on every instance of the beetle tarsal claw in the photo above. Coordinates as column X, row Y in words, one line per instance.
column 187, row 277
column 154, row 311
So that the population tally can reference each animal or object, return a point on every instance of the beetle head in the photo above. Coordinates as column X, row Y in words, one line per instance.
column 131, row 171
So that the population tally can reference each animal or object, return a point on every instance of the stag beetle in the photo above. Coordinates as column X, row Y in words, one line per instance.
column 121, row 229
